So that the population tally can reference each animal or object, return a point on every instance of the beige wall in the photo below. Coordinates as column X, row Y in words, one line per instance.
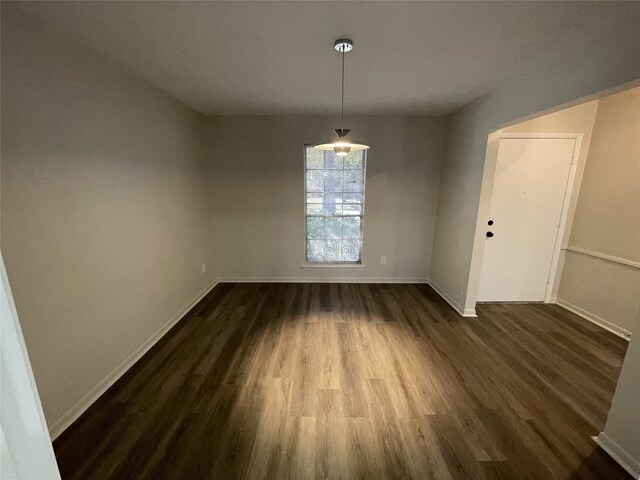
column 259, row 188
column 611, row 58
column 607, row 218
column 605, row 291
column 105, row 211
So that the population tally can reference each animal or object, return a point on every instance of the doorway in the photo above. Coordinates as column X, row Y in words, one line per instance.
column 533, row 179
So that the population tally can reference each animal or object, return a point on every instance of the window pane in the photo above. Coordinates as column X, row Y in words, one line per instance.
column 315, row 198
column 353, row 180
column 350, row 250
column 351, row 209
column 315, row 250
column 333, row 204
column 332, row 251
column 334, row 228
column 333, row 180
column 315, row 227
column 332, row 209
column 353, row 198
column 315, row 158
column 351, row 227
column 333, row 161
column 333, row 198
column 314, row 209
column 315, row 181
column 353, row 160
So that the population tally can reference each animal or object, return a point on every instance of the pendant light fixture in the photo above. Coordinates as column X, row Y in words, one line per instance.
column 342, row 145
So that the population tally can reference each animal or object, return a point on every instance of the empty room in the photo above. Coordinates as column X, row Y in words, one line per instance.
column 320, row 240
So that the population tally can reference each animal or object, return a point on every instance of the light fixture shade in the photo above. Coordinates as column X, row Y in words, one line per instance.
column 342, row 145
column 352, row 145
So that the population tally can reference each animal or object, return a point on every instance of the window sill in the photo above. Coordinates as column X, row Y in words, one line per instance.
column 343, row 266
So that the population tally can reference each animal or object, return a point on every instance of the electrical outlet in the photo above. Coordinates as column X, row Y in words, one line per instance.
column 383, row 260
column 204, row 268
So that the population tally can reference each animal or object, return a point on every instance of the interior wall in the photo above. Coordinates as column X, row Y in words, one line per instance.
column 607, row 219
column 259, row 189
column 620, row 436
column 611, row 59
column 106, row 212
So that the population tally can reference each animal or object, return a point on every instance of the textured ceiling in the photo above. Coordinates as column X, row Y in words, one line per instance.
column 231, row 58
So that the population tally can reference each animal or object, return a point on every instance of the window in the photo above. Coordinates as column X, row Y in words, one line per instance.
column 334, row 206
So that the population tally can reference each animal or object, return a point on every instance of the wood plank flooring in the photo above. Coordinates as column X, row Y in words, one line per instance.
column 359, row 381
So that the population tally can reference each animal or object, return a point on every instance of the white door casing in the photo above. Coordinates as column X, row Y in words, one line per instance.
column 26, row 452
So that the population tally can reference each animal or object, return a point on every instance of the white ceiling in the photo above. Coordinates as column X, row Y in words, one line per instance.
column 417, row 58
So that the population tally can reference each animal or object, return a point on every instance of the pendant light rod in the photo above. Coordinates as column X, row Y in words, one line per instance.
column 342, row 45
column 342, row 99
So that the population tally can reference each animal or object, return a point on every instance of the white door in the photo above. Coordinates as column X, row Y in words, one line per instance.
column 526, row 208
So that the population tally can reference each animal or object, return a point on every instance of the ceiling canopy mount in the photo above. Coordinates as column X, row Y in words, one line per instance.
column 343, row 45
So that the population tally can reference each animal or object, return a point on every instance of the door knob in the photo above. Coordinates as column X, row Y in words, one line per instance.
column 489, row 234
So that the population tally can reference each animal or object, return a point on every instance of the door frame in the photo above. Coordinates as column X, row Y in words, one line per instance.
column 572, row 187
column 25, row 443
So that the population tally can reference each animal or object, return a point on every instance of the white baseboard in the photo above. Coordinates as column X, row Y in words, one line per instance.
column 323, row 280
column 593, row 318
column 616, row 452
column 87, row 400
column 456, row 306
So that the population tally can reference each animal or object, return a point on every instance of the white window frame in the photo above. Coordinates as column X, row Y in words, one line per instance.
column 333, row 264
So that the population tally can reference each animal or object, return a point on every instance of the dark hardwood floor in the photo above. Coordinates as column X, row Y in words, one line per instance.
column 362, row 381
